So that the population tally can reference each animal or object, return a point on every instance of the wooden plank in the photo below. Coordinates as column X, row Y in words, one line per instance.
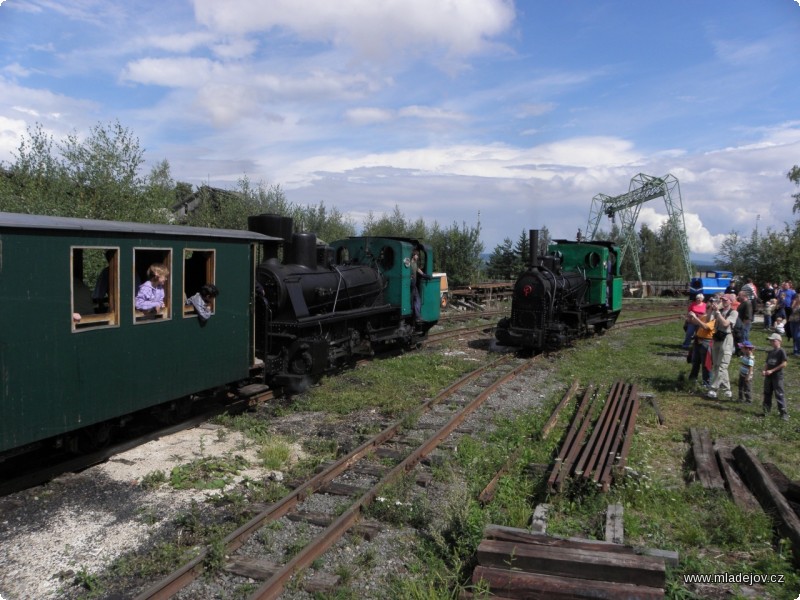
column 614, row 524
column 551, row 422
column 599, row 438
column 342, row 489
column 577, row 420
column 793, row 493
column 572, row 445
column 574, row 562
column 619, row 467
column 367, row 528
column 615, row 451
column 705, row 460
column 779, row 478
column 533, row 586
column 770, row 497
column 524, row 536
column 262, row 570
column 742, row 496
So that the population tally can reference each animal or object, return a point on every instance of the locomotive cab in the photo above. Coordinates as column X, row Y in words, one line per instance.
column 573, row 289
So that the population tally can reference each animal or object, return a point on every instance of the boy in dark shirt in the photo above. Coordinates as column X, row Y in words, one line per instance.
column 773, row 376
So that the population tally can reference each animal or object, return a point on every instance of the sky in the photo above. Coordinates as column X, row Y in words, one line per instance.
column 514, row 115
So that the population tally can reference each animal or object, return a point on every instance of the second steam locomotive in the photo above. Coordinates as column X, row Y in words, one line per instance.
column 573, row 290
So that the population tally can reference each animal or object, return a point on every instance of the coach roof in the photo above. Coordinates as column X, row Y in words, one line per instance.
column 25, row 221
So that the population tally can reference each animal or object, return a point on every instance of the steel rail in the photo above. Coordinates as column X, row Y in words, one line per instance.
column 444, row 335
column 179, row 579
column 273, row 587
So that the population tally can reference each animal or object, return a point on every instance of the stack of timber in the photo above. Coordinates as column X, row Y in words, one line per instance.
column 769, row 495
column 516, row 563
column 750, row 482
column 483, row 293
column 602, row 456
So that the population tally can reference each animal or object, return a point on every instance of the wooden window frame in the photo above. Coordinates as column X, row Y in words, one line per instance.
column 94, row 320
column 210, row 276
column 141, row 317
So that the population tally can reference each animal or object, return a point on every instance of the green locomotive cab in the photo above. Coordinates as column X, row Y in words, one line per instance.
column 599, row 263
column 392, row 256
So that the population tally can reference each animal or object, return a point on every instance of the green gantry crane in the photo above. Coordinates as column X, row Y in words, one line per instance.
column 642, row 188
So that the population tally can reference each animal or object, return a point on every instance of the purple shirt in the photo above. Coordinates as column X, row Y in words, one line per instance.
column 787, row 296
column 149, row 297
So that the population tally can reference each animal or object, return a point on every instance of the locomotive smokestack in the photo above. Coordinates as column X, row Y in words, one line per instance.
column 533, row 250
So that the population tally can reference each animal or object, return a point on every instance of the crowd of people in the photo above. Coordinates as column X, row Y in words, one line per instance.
column 718, row 328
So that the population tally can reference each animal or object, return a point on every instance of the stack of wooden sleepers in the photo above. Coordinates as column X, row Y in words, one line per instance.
column 517, row 563
column 602, row 456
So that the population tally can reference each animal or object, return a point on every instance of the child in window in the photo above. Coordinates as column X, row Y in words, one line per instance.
column 202, row 301
column 150, row 297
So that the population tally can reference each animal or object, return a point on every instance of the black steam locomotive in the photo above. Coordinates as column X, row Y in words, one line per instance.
column 574, row 289
column 323, row 306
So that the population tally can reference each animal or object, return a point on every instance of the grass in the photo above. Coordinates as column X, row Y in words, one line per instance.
column 662, row 510
column 663, row 507
column 392, row 386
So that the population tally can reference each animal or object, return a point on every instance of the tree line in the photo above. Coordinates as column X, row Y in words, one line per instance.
column 100, row 177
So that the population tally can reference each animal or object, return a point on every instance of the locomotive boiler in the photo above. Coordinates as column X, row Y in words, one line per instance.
column 326, row 305
column 573, row 290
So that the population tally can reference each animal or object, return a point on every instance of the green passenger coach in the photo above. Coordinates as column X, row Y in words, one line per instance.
column 74, row 350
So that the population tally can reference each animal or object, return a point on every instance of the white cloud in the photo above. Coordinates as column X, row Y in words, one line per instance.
column 367, row 115
column 375, row 30
column 11, row 131
column 172, row 72
column 180, row 43
column 16, row 70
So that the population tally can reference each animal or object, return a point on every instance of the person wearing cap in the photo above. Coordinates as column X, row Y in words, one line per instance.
column 702, row 345
column 697, row 307
column 773, row 376
column 746, row 368
column 722, row 348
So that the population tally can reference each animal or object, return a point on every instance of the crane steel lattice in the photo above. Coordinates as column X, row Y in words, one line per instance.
column 642, row 188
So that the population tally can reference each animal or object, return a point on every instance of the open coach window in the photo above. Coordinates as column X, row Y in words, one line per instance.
column 152, row 284
column 198, row 270
column 94, row 287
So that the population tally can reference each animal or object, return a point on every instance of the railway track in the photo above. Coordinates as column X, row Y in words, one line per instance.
column 356, row 479
column 18, row 477
column 367, row 462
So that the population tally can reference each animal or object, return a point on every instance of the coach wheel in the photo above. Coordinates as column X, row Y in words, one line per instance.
column 94, row 437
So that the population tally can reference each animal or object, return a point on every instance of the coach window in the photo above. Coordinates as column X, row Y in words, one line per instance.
column 198, row 270
column 94, row 287
column 149, row 311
